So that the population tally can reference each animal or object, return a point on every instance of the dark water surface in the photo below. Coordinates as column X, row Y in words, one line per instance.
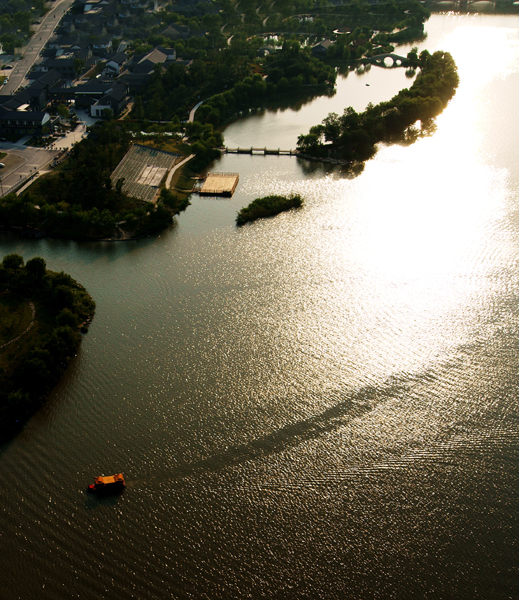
column 321, row 405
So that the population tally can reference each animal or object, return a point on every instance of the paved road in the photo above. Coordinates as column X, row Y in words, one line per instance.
column 34, row 160
column 177, row 166
column 37, row 160
column 193, row 111
column 32, row 51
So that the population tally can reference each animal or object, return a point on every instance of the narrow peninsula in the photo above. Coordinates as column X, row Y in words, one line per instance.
column 353, row 136
column 42, row 315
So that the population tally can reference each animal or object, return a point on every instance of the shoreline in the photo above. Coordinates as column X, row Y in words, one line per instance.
column 30, row 388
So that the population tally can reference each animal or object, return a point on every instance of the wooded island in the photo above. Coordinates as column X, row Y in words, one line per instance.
column 268, row 206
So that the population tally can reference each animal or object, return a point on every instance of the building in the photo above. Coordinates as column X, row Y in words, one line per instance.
column 113, row 65
column 64, row 65
column 139, row 70
column 320, row 49
column 176, row 32
column 18, row 122
column 115, row 100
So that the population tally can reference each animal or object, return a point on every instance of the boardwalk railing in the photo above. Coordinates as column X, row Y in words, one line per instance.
column 259, row 151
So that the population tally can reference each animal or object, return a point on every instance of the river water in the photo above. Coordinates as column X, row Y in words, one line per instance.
column 320, row 405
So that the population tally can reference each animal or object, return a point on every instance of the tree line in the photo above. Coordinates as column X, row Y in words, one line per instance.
column 16, row 17
column 225, row 66
column 352, row 136
column 287, row 71
column 81, row 202
column 32, row 365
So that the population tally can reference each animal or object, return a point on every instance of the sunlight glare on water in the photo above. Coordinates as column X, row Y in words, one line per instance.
column 320, row 405
column 422, row 227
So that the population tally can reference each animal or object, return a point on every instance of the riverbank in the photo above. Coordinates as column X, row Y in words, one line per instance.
column 353, row 136
column 319, row 405
column 42, row 315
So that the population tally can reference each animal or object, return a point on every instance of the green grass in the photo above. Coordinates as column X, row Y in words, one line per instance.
column 15, row 317
column 31, row 365
column 168, row 145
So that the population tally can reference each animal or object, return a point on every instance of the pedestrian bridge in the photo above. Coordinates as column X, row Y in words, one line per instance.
column 380, row 60
column 259, row 151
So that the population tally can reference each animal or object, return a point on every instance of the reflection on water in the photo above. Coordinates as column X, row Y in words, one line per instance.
column 280, row 128
column 318, row 405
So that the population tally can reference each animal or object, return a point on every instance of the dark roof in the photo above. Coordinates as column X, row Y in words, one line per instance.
column 144, row 67
column 324, row 44
column 118, row 93
column 118, row 57
column 59, row 63
column 135, row 59
column 49, row 52
column 166, row 51
column 66, row 91
column 83, row 54
column 94, row 86
column 25, row 96
column 12, row 104
column 135, row 79
column 28, row 115
column 49, row 78
column 103, row 41
column 72, row 41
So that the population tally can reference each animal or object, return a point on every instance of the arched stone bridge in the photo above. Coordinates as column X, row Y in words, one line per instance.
column 379, row 60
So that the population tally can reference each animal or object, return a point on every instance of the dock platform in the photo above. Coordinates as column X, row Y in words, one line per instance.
column 219, row 184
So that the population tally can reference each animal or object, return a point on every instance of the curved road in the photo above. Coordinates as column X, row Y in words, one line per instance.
column 34, row 160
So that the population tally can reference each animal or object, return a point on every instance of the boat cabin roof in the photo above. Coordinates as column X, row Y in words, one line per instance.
column 118, row 478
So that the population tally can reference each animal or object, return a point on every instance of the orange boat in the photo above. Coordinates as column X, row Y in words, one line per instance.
column 111, row 483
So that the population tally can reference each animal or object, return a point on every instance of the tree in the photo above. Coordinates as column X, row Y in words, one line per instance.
column 67, row 318
column 412, row 56
column 63, row 296
column 108, row 114
column 332, row 128
column 79, row 65
column 36, row 268
column 63, row 112
column 13, row 262
column 35, row 375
